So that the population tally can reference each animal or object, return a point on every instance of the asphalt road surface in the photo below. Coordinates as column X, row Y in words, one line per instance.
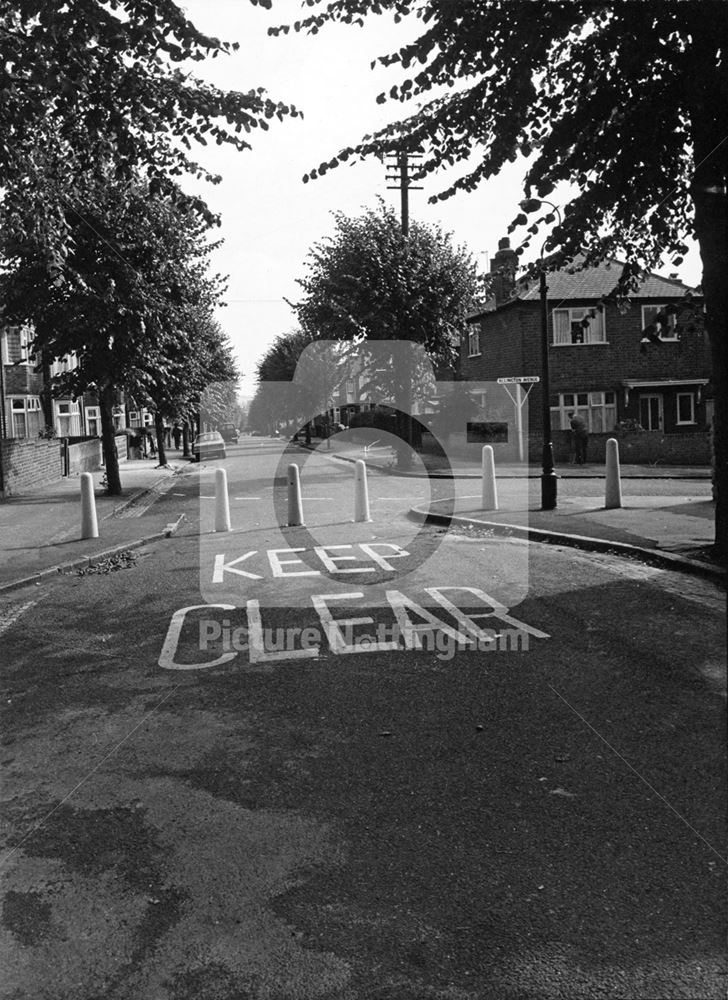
column 390, row 764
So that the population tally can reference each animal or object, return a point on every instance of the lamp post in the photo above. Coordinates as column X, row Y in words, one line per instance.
column 549, row 478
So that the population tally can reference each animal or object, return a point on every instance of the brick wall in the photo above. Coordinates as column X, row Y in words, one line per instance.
column 29, row 463
column 20, row 380
column 510, row 345
column 648, row 447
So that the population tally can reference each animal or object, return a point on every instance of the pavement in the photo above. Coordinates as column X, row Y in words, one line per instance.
column 40, row 531
column 434, row 465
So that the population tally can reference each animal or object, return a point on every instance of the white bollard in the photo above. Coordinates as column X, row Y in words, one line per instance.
column 361, row 492
column 490, row 493
column 222, row 502
column 295, row 507
column 89, row 523
column 613, row 490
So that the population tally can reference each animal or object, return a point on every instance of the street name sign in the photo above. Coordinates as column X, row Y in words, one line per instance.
column 518, row 379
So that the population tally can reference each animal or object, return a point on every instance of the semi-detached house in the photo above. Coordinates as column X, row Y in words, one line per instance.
column 603, row 364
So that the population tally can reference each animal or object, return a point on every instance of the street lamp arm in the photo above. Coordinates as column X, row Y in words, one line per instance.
column 531, row 204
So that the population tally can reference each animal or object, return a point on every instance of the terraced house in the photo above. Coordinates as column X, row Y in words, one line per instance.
column 643, row 371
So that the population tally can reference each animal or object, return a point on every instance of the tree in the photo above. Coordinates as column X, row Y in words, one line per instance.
column 628, row 102
column 369, row 284
column 123, row 297
column 314, row 369
column 106, row 79
column 200, row 377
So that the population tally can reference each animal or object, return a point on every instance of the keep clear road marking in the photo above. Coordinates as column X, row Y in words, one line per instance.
column 13, row 614
column 414, row 628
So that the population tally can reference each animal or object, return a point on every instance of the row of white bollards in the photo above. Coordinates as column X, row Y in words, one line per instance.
column 90, row 526
column 295, row 500
column 613, row 487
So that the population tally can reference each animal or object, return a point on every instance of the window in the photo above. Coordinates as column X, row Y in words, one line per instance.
column 14, row 343
column 474, row 343
column 651, row 412
column 350, row 387
column 598, row 410
column 68, row 421
column 578, row 326
column 665, row 329
column 686, row 408
column 25, row 416
column 93, row 421
column 65, row 364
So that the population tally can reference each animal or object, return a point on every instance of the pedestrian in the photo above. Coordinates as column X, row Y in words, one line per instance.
column 581, row 437
column 177, row 435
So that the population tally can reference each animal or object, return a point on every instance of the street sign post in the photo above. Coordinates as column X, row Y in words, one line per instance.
column 518, row 401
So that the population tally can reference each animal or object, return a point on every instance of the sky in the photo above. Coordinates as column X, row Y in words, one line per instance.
column 270, row 218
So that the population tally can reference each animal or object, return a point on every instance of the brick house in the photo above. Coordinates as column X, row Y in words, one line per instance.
column 601, row 365
column 21, row 387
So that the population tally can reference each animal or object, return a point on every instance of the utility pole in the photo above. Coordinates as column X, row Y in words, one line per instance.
column 399, row 172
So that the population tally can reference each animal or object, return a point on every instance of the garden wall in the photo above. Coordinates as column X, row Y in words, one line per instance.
column 27, row 463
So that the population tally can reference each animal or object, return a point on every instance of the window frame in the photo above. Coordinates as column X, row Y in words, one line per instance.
column 596, row 399
column 474, row 338
column 660, row 398
column 571, row 319
column 678, row 421
column 672, row 324
column 25, row 405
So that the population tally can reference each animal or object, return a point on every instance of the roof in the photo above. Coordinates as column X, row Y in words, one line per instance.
column 596, row 282
column 591, row 283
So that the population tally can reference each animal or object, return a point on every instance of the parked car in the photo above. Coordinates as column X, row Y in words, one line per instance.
column 229, row 432
column 208, row 445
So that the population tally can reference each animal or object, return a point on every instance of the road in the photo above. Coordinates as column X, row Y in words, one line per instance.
column 396, row 764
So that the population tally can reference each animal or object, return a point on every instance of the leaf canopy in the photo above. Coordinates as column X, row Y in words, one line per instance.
column 627, row 101
column 104, row 80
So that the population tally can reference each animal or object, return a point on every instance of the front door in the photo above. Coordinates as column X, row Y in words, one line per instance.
column 651, row 411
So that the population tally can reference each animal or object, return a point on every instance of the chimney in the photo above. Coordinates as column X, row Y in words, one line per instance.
column 503, row 270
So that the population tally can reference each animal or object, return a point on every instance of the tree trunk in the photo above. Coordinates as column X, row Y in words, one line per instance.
column 108, row 441
column 161, row 443
column 46, row 401
column 185, row 439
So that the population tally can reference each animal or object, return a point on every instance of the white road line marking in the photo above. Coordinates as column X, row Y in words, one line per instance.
column 247, row 498
column 10, row 617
